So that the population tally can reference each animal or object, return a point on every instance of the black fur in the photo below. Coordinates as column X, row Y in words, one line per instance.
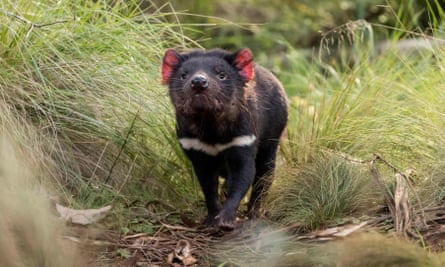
column 219, row 96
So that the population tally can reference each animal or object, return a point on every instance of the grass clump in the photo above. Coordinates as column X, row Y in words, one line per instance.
column 85, row 75
column 386, row 102
column 389, row 104
column 320, row 192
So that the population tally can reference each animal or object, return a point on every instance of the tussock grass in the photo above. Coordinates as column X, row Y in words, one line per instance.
column 388, row 104
column 85, row 75
column 319, row 193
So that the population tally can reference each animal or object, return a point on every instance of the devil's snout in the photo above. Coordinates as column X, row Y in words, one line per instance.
column 199, row 82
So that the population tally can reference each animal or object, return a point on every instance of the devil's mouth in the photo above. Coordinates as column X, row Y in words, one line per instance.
column 199, row 95
column 201, row 102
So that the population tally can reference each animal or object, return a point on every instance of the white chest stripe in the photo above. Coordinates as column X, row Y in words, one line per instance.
column 213, row 150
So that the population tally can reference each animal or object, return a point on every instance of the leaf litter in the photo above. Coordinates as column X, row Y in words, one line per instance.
column 184, row 242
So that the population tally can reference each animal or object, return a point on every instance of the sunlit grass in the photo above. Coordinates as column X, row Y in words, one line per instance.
column 85, row 76
column 388, row 104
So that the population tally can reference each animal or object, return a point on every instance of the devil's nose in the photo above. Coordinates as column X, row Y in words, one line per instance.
column 200, row 82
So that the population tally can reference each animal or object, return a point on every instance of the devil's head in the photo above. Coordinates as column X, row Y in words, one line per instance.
column 207, row 83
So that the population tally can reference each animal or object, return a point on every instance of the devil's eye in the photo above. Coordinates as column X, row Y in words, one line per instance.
column 183, row 75
column 222, row 75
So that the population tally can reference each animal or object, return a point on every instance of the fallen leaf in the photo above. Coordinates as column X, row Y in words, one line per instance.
column 189, row 261
column 170, row 258
column 82, row 217
column 182, row 249
column 181, row 253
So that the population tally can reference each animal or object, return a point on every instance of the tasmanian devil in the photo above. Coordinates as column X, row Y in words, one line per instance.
column 230, row 114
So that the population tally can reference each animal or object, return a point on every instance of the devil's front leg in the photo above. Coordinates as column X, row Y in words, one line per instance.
column 240, row 175
column 206, row 170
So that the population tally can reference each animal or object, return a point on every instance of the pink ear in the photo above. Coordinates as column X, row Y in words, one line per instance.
column 169, row 62
column 244, row 62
